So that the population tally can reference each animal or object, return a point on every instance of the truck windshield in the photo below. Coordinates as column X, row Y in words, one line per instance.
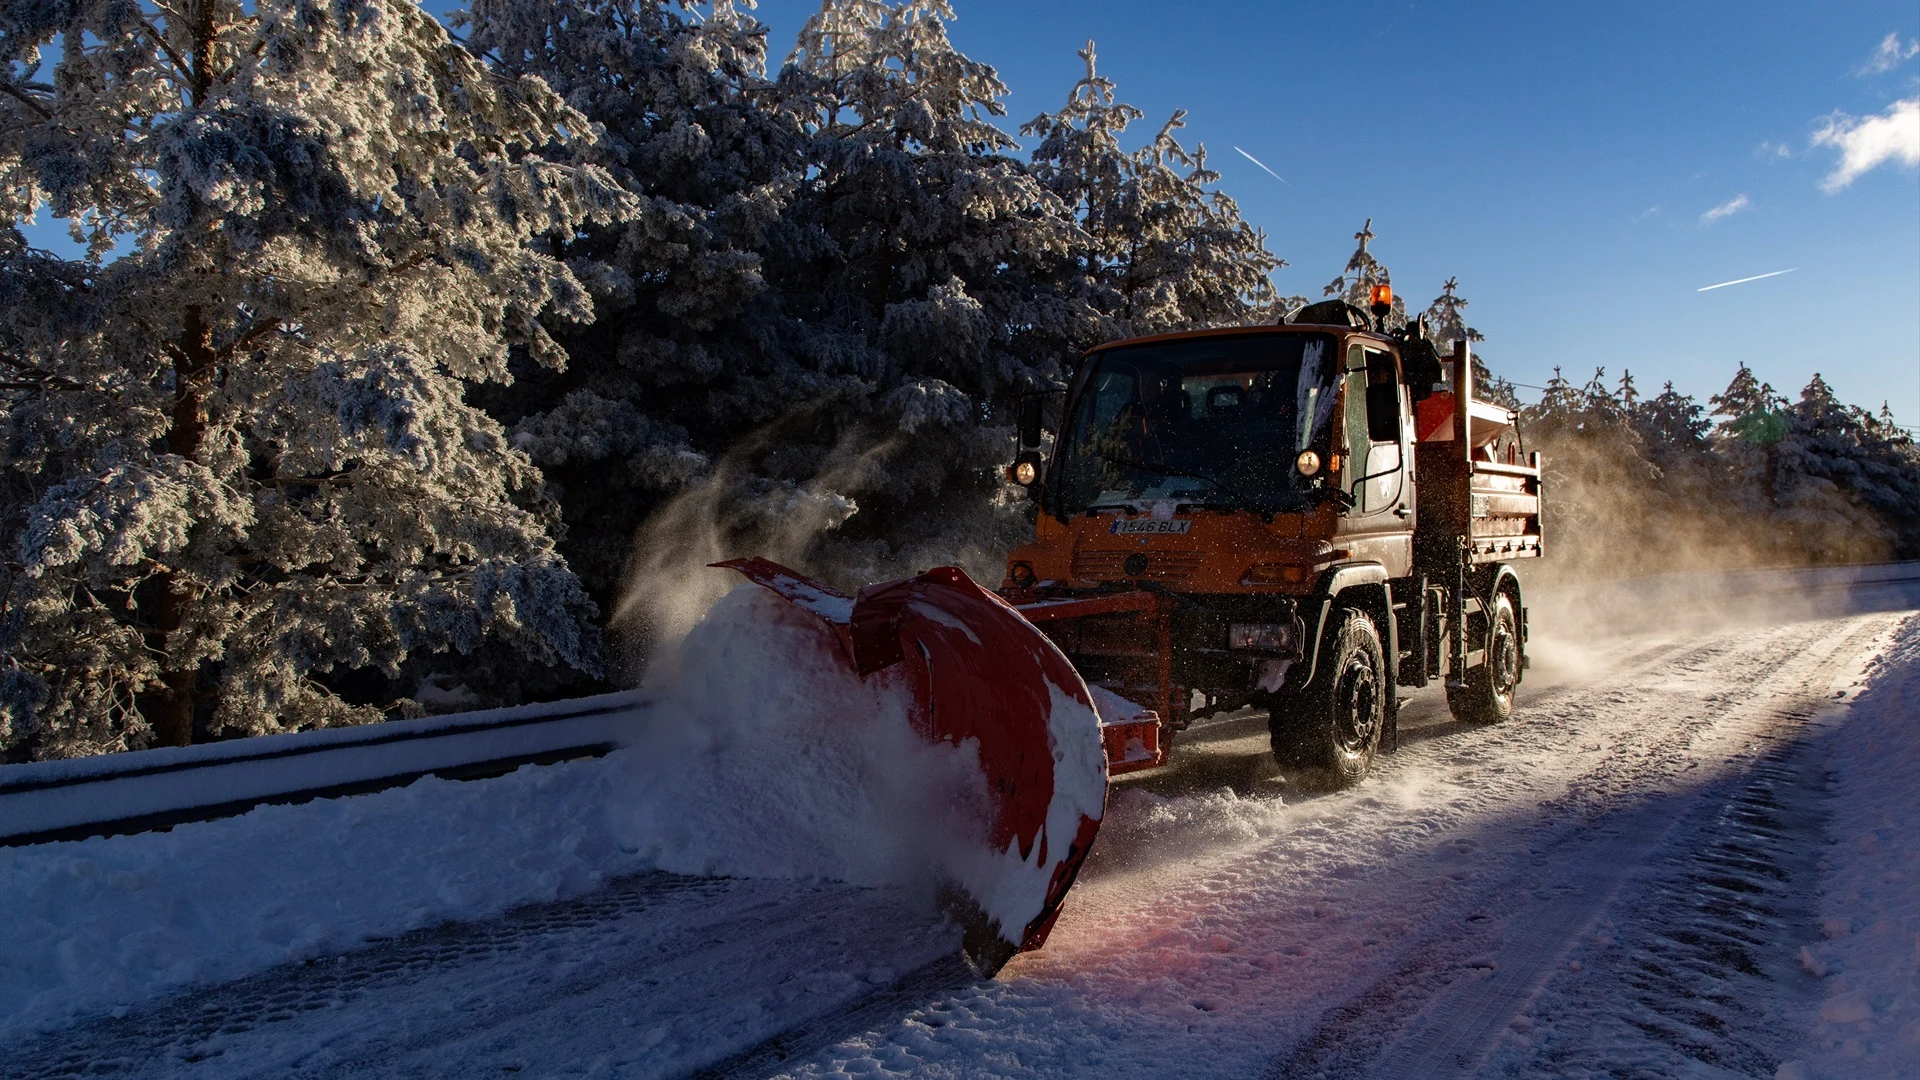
column 1213, row 420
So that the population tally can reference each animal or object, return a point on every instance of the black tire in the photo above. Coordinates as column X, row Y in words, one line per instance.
column 1487, row 696
column 1334, row 728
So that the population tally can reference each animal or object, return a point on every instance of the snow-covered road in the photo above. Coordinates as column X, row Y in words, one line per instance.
column 1619, row 881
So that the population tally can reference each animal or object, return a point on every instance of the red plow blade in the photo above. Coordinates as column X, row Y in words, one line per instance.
column 982, row 673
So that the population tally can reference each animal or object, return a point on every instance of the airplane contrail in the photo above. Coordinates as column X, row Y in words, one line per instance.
column 1263, row 165
column 1744, row 280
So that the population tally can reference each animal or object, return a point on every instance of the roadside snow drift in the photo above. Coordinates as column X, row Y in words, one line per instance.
column 1868, row 1025
column 759, row 755
column 90, row 925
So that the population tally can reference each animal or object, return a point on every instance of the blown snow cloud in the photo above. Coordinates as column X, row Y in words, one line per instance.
column 1867, row 143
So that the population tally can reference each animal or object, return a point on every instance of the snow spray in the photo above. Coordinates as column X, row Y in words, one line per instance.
column 764, row 755
column 670, row 583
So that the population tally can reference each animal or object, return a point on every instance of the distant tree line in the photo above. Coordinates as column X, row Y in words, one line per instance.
column 1643, row 484
column 391, row 342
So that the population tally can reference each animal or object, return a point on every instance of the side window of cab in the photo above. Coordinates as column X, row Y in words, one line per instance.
column 1374, row 423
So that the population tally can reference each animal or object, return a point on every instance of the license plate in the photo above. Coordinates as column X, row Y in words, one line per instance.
column 1130, row 526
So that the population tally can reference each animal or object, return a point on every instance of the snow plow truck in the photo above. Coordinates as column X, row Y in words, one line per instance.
column 1297, row 518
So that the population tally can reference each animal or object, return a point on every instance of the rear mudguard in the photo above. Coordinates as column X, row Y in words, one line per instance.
column 981, row 672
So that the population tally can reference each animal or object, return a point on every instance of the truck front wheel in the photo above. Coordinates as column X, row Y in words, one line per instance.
column 1335, row 728
column 1486, row 693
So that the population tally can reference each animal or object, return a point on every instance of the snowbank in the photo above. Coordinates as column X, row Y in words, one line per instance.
column 758, row 756
column 1868, row 1026
column 752, row 767
column 93, row 924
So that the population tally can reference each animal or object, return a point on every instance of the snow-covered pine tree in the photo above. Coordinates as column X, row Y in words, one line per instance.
column 1198, row 262
column 1355, row 283
column 1446, row 323
column 1754, row 421
column 1629, row 393
column 244, row 491
column 1672, row 423
column 1891, row 481
column 1825, row 489
column 1754, row 411
column 1080, row 159
column 1819, row 481
column 690, row 350
column 1446, row 318
column 919, row 257
column 1604, row 486
column 1161, row 247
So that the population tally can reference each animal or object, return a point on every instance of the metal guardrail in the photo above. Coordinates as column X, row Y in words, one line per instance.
column 153, row 789
column 1676, row 586
column 1778, row 579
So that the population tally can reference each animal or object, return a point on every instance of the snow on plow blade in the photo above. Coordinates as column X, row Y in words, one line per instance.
column 979, row 671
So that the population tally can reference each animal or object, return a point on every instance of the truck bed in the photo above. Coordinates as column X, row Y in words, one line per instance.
column 1479, row 487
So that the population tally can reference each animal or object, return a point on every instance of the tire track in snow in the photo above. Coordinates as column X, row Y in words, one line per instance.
column 563, row 984
column 882, row 1007
column 626, row 973
column 1708, row 955
column 1185, row 967
column 179, row 1029
column 1444, row 1010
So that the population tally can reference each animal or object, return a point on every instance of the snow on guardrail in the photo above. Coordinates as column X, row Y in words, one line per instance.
column 149, row 789
column 1812, row 577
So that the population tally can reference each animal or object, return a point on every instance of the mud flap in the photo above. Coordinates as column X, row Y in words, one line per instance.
column 981, row 672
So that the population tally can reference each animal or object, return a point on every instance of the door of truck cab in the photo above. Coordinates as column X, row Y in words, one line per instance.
column 1376, row 457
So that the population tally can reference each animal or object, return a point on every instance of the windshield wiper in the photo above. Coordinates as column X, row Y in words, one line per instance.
column 1228, row 497
column 1232, row 499
column 1165, row 469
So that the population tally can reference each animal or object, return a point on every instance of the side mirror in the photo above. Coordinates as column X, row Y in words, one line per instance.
column 1032, row 408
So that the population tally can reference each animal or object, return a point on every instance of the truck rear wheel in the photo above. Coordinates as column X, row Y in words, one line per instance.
column 1335, row 728
column 1487, row 696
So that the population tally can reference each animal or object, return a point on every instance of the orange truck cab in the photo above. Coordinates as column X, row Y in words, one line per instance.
column 1297, row 517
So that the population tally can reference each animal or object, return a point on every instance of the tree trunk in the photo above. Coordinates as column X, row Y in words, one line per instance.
column 173, row 717
column 193, row 361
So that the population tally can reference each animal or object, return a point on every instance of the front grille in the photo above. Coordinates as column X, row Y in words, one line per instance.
column 1124, row 649
column 1164, row 566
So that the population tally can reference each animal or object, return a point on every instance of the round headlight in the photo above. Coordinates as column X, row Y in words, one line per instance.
column 1308, row 463
column 1025, row 473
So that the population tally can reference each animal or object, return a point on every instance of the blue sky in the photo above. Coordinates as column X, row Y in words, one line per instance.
column 1563, row 160
column 1558, row 158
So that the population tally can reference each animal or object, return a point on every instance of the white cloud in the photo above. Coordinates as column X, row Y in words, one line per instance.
column 1726, row 209
column 1772, row 149
column 1866, row 144
column 1891, row 54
